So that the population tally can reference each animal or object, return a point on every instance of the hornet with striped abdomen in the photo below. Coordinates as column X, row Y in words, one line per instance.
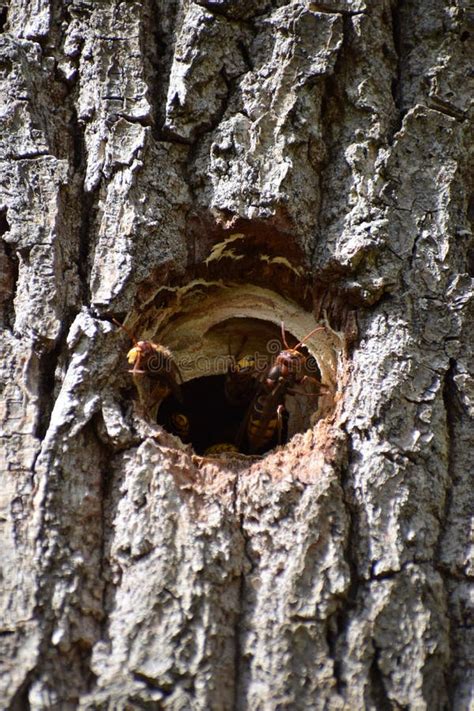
column 266, row 416
column 154, row 372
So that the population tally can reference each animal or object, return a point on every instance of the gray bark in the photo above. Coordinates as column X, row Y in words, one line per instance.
column 180, row 164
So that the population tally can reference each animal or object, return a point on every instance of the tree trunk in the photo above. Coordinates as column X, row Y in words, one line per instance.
column 202, row 170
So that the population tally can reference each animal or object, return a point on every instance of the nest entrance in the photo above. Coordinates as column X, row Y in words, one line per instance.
column 210, row 326
column 217, row 420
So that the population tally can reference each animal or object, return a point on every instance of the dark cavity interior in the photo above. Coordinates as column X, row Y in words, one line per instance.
column 213, row 420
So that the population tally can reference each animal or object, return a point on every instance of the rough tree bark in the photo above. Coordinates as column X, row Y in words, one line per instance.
column 314, row 158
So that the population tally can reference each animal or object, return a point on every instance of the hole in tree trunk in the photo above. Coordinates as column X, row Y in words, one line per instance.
column 215, row 329
column 234, row 411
